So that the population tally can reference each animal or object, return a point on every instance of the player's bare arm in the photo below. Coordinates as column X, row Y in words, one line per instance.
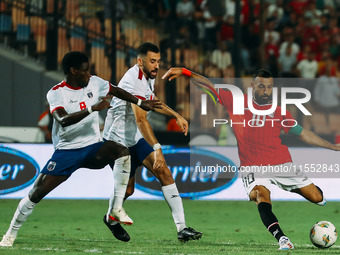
column 182, row 123
column 66, row 119
column 148, row 134
column 175, row 72
column 146, row 105
column 311, row 138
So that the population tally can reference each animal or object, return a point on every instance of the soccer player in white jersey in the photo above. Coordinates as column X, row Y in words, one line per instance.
column 128, row 125
column 74, row 104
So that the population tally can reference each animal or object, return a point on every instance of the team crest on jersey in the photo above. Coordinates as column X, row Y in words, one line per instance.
column 51, row 166
column 90, row 95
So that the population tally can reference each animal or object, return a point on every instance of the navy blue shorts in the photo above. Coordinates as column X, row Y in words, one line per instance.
column 66, row 162
column 138, row 153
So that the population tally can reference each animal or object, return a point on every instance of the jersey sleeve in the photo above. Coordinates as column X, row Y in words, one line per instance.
column 103, row 86
column 55, row 100
column 287, row 121
column 130, row 84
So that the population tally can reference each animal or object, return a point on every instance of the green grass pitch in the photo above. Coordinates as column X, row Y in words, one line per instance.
column 229, row 227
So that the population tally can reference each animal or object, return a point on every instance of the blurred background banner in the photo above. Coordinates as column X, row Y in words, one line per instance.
column 191, row 182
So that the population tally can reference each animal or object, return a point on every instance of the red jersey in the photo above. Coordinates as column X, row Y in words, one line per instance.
column 258, row 136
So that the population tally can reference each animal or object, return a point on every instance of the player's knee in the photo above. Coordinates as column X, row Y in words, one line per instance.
column 164, row 176
column 260, row 194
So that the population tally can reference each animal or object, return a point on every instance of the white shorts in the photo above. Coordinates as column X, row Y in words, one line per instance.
column 284, row 176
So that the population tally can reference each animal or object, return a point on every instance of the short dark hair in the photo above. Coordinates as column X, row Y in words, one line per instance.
column 73, row 59
column 145, row 47
column 262, row 73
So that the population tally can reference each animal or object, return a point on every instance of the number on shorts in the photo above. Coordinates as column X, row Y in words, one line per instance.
column 249, row 179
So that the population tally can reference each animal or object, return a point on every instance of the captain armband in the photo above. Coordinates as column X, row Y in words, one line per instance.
column 296, row 130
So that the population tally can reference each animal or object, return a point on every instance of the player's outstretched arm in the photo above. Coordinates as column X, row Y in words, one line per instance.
column 66, row 119
column 146, row 105
column 182, row 123
column 311, row 138
column 148, row 134
column 175, row 72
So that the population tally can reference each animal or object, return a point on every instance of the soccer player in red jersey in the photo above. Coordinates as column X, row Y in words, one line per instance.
column 260, row 149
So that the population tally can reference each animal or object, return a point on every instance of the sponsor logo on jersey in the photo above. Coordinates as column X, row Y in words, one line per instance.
column 17, row 170
column 190, row 170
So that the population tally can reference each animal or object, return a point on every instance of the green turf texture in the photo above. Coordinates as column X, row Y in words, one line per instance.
column 229, row 227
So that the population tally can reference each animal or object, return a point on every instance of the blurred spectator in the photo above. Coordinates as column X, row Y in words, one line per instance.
column 313, row 13
column 287, row 61
column 304, row 53
column 295, row 48
column 185, row 11
column 327, row 94
column 298, row 6
column 45, row 124
column 327, row 62
column 308, row 68
column 275, row 10
column 221, row 57
column 271, row 48
column 270, row 25
column 229, row 9
column 210, row 26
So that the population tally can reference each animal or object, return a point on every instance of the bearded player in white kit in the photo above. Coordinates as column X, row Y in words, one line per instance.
column 128, row 125
column 74, row 104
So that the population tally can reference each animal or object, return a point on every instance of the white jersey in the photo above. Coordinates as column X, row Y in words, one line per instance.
column 86, row 131
column 120, row 122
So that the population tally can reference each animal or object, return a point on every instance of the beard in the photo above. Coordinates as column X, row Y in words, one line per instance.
column 151, row 74
column 263, row 99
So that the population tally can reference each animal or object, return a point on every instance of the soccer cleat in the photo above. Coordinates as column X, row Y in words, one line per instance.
column 285, row 244
column 188, row 234
column 118, row 231
column 7, row 241
column 121, row 216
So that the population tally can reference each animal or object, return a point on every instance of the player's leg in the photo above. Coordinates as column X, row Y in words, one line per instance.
column 261, row 196
column 116, row 229
column 173, row 199
column 312, row 193
column 117, row 156
column 257, row 186
column 42, row 186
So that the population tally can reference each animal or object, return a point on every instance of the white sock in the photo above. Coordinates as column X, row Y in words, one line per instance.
column 121, row 175
column 174, row 201
column 24, row 209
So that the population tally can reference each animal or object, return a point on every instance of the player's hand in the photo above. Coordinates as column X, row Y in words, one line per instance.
column 159, row 160
column 173, row 73
column 151, row 105
column 103, row 103
column 183, row 124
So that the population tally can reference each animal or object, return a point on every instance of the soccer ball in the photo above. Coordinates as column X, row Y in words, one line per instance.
column 323, row 234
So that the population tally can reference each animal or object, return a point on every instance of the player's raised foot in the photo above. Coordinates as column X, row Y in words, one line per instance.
column 118, row 231
column 285, row 244
column 7, row 241
column 121, row 216
column 188, row 234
